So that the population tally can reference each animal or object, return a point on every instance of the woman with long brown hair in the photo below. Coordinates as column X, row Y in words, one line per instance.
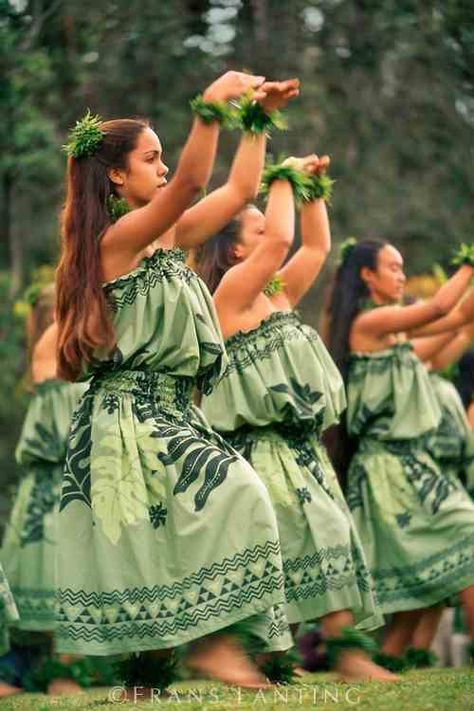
column 278, row 393
column 152, row 552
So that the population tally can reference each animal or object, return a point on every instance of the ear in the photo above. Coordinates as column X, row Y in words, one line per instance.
column 366, row 275
column 237, row 249
column 115, row 176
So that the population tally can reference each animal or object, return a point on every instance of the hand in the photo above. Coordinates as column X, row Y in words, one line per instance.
column 279, row 93
column 311, row 164
column 232, row 85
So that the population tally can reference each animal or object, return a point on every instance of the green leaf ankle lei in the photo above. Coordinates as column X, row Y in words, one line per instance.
column 80, row 671
column 306, row 187
column 148, row 671
column 85, row 137
column 210, row 111
column 350, row 639
column 275, row 286
column 464, row 255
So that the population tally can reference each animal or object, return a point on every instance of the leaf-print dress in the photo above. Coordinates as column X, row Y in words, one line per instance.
column 8, row 612
column 279, row 391
column 452, row 443
column 166, row 533
column 415, row 522
column 29, row 545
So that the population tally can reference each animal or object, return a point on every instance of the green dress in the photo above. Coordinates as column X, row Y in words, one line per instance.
column 279, row 391
column 8, row 611
column 416, row 524
column 152, row 550
column 452, row 443
column 29, row 545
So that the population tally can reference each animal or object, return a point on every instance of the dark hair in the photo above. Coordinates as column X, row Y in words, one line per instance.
column 345, row 301
column 217, row 255
column 82, row 311
column 348, row 293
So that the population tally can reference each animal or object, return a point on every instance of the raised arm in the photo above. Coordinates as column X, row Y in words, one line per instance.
column 458, row 317
column 135, row 230
column 428, row 347
column 243, row 283
column 395, row 319
column 456, row 346
column 301, row 270
column 213, row 212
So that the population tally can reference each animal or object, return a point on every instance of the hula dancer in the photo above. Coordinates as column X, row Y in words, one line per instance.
column 8, row 615
column 416, row 526
column 148, row 488
column 29, row 545
column 452, row 447
column 278, row 393
column 28, row 548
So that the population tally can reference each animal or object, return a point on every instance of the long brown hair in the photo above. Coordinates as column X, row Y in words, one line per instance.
column 217, row 255
column 82, row 311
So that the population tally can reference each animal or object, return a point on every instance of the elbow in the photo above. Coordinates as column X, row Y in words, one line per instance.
column 192, row 185
column 441, row 308
column 280, row 241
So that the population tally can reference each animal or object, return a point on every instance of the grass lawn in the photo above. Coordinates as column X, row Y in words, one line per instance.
column 433, row 690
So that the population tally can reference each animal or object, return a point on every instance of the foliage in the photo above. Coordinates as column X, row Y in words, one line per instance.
column 386, row 88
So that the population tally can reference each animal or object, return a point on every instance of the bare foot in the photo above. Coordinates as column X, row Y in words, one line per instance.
column 224, row 659
column 8, row 690
column 357, row 666
column 64, row 687
column 299, row 671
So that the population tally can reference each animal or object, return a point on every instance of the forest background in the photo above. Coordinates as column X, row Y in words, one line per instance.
column 387, row 89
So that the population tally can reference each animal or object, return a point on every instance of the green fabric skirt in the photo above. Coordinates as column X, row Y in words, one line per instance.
column 165, row 533
column 29, row 547
column 8, row 612
column 416, row 524
column 323, row 560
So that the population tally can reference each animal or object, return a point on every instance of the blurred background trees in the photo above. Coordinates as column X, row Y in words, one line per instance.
column 387, row 91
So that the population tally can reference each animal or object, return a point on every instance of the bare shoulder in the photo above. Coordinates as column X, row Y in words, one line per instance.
column 43, row 364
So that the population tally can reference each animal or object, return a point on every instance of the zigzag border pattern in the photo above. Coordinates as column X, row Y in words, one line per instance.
column 91, row 623
column 166, row 591
column 155, row 269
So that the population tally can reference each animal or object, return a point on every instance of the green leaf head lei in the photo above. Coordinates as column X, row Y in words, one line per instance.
column 85, row 137
column 346, row 248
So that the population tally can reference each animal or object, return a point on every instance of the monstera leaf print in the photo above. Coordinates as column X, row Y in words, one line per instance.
column 199, row 457
column 118, row 491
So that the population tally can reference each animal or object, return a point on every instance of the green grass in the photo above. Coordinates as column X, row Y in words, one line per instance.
column 433, row 690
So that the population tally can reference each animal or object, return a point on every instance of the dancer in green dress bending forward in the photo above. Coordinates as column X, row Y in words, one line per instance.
column 416, row 525
column 279, row 391
column 31, row 535
column 152, row 550
column 29, row 544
